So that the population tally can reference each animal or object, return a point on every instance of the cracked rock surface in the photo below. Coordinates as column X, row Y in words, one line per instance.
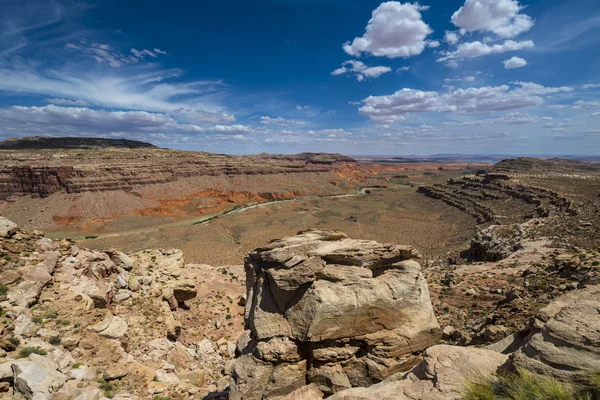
column 333, row 311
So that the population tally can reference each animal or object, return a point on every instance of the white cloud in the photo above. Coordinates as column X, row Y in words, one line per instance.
column 201, row 116
column 65, row 102
column 532, row 88
column 302, row 108
column 469, row 78
column 282, row 141
column 52, row 119
column 514, row 62
column 451, row 38
column 501, row 17
column 360, row 70
column 232, row 129
column 591, row 86
column 394, row 30
column 104, row 53
column 140, row 87
column 558, row 106
column 596, row 114
column 513, row 118
column 282, row 121
column 433, row 44
column 586, row 105
column 478, row 49
column 400, row 70
column 463, row 101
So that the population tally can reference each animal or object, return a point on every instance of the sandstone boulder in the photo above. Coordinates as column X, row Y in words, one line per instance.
column 112, row 327
column 7, row 227
column 564, row 339
column 35, row 381
column 353, row 311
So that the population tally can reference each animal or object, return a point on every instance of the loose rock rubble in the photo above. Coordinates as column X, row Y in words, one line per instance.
column 83, row 324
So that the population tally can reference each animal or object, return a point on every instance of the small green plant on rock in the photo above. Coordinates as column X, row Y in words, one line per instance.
column 55, row 340
column 108, row 388
column 27, row 351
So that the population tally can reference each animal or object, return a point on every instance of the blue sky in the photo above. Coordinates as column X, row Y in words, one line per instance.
column 285, row 76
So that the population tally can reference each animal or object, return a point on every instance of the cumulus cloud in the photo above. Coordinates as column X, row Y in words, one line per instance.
column 52, row 119
column 451, row 38
column 232, row 129
column 66, row 102
column 501, row 17
column 479, row 49
column 394, row 30
column 586, row 105
column 514, row 63
column 463, row 101
column 360, row 70
column 281, row 121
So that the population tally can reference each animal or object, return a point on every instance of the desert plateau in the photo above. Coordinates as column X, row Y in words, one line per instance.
column 299, row 200
column 301, row 276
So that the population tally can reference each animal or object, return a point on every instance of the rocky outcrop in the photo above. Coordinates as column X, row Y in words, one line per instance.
column 38, row 173
column 495, row 243
column 332, row 311
column 564, row 338
column 492, row 197
column 440, row 376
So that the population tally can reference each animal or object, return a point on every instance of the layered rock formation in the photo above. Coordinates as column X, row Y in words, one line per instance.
column 332, row 311
column 76, row 170
column 39, row 143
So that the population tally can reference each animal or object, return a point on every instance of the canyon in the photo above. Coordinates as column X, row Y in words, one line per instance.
column 182, row 275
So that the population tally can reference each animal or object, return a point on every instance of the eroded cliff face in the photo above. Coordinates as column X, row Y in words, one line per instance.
column 43, row 172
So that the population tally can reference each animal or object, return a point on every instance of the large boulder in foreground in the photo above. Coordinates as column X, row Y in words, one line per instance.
column 332, row 311
column 564, row 337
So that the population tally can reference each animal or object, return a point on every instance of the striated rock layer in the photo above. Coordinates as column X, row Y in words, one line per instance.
column 333, row 311
column 41, row 172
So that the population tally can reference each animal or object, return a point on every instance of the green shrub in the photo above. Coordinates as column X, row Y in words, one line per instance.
column 529, row 386
column 162, row 398
column 15, row 341
column 27, row 351
column 55, row 340
column 3, row 290
column 108, row 388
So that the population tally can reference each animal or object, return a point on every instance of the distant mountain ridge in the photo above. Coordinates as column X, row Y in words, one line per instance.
column 41, row 143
